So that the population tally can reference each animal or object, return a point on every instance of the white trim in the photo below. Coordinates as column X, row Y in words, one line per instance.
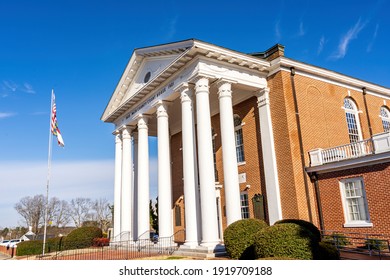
column 358, row 224
column 325, row 75
column 348, row 222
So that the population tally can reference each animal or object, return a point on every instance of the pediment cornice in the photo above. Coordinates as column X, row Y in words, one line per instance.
column 127, row 93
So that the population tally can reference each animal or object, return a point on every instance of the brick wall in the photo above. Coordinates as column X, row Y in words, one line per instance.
column 376, row 180
column 323, row 125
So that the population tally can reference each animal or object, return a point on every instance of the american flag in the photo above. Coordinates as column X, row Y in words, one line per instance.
column 54, row 125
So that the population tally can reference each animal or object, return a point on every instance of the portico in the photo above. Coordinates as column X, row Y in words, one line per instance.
column 176, row 89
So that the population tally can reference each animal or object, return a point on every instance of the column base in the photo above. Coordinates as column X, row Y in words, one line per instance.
column 190, row 244
column 201, row 252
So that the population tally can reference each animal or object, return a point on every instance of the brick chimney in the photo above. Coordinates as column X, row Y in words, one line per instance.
column 272, row 53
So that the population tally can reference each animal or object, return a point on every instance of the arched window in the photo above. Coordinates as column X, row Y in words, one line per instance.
column 352, row 116
column 385, row 115
column 239, row 139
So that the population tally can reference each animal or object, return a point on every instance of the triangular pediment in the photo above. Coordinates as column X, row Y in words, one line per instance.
column 150, row 68
column 144, row 66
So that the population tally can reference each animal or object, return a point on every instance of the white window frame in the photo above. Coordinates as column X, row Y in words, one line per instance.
column 236, row 129
column 244, row 206
column 385, row 119
column 347, row 217
column 355, row 113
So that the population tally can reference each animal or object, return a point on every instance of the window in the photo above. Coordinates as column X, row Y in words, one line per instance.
column 244, row 205
column 385, row 115
column 239, row 139
column 213, row 135
column 355, row 203
column 351, row 114
column 177, row 215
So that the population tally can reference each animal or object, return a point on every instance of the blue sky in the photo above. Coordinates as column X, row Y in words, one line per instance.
column 80, row 48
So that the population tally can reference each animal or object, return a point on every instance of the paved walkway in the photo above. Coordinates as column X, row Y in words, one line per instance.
column 4, row 256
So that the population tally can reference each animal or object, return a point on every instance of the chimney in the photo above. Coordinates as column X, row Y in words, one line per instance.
column 270, row 54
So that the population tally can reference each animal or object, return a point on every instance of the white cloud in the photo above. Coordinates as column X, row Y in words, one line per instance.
column 69, row 179
column 347, row 38
column 10, row 85
column 27, row 88
column 375, row 34
column 4, row 115
column 278, row 34
column 321, row 44
column 301, row 31
column 171, row 30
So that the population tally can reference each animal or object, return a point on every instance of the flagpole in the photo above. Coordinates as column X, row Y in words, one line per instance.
column 48, row 172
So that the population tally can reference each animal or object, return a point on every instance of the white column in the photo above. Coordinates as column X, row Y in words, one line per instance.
column 117, row 186
column 127, row 174
column 165, row 222
column 135, row 185
column 230, row 170
column 269, row 157
column 206, row 165
column 143, row 178
column 191, row 197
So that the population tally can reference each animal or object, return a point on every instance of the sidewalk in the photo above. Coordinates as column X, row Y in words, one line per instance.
column 4, row 256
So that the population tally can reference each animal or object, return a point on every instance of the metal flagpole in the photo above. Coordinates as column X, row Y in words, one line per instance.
column 48, row 171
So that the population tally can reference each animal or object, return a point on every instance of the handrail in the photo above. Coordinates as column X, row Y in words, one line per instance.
column 348, row 151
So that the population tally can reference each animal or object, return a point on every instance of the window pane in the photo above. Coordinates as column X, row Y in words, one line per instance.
column 385, row 115
column 244, row 206
column 352, row 118
column 356, row 205
column 239, row 146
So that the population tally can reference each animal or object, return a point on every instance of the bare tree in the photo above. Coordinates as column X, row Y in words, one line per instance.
column 80, row 210
column 32, row 210
column 58, row 212
column 102, row 213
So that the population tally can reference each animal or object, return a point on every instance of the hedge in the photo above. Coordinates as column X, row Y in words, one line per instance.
column 285, row 240
column 238, row 238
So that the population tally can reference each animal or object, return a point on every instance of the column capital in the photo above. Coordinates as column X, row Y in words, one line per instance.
column 186, row 92
column 126, row 131
column 142, row 121
column 118, row 138
column 162, row 108
column 182, row 87
column 224, row 88
column 201, row 84
column 262, row 97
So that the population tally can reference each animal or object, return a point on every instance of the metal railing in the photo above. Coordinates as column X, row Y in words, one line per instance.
column 118, row 250
column 359, row 246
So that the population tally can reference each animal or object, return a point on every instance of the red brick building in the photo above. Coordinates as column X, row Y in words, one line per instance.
column 247, row 135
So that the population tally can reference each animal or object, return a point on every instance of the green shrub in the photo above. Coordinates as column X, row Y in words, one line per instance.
column 338, row 239
column 285, row 241
column 238, row 238
column 35, row 247
column 309, row 226
column 375, row 244
column 327, row 251
column 82, row 237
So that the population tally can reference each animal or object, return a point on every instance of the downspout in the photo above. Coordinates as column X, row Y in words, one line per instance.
column 368, row 118
column 314, row 179
column 292, row 74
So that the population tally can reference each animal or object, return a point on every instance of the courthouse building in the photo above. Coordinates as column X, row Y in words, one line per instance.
column 246, row 136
